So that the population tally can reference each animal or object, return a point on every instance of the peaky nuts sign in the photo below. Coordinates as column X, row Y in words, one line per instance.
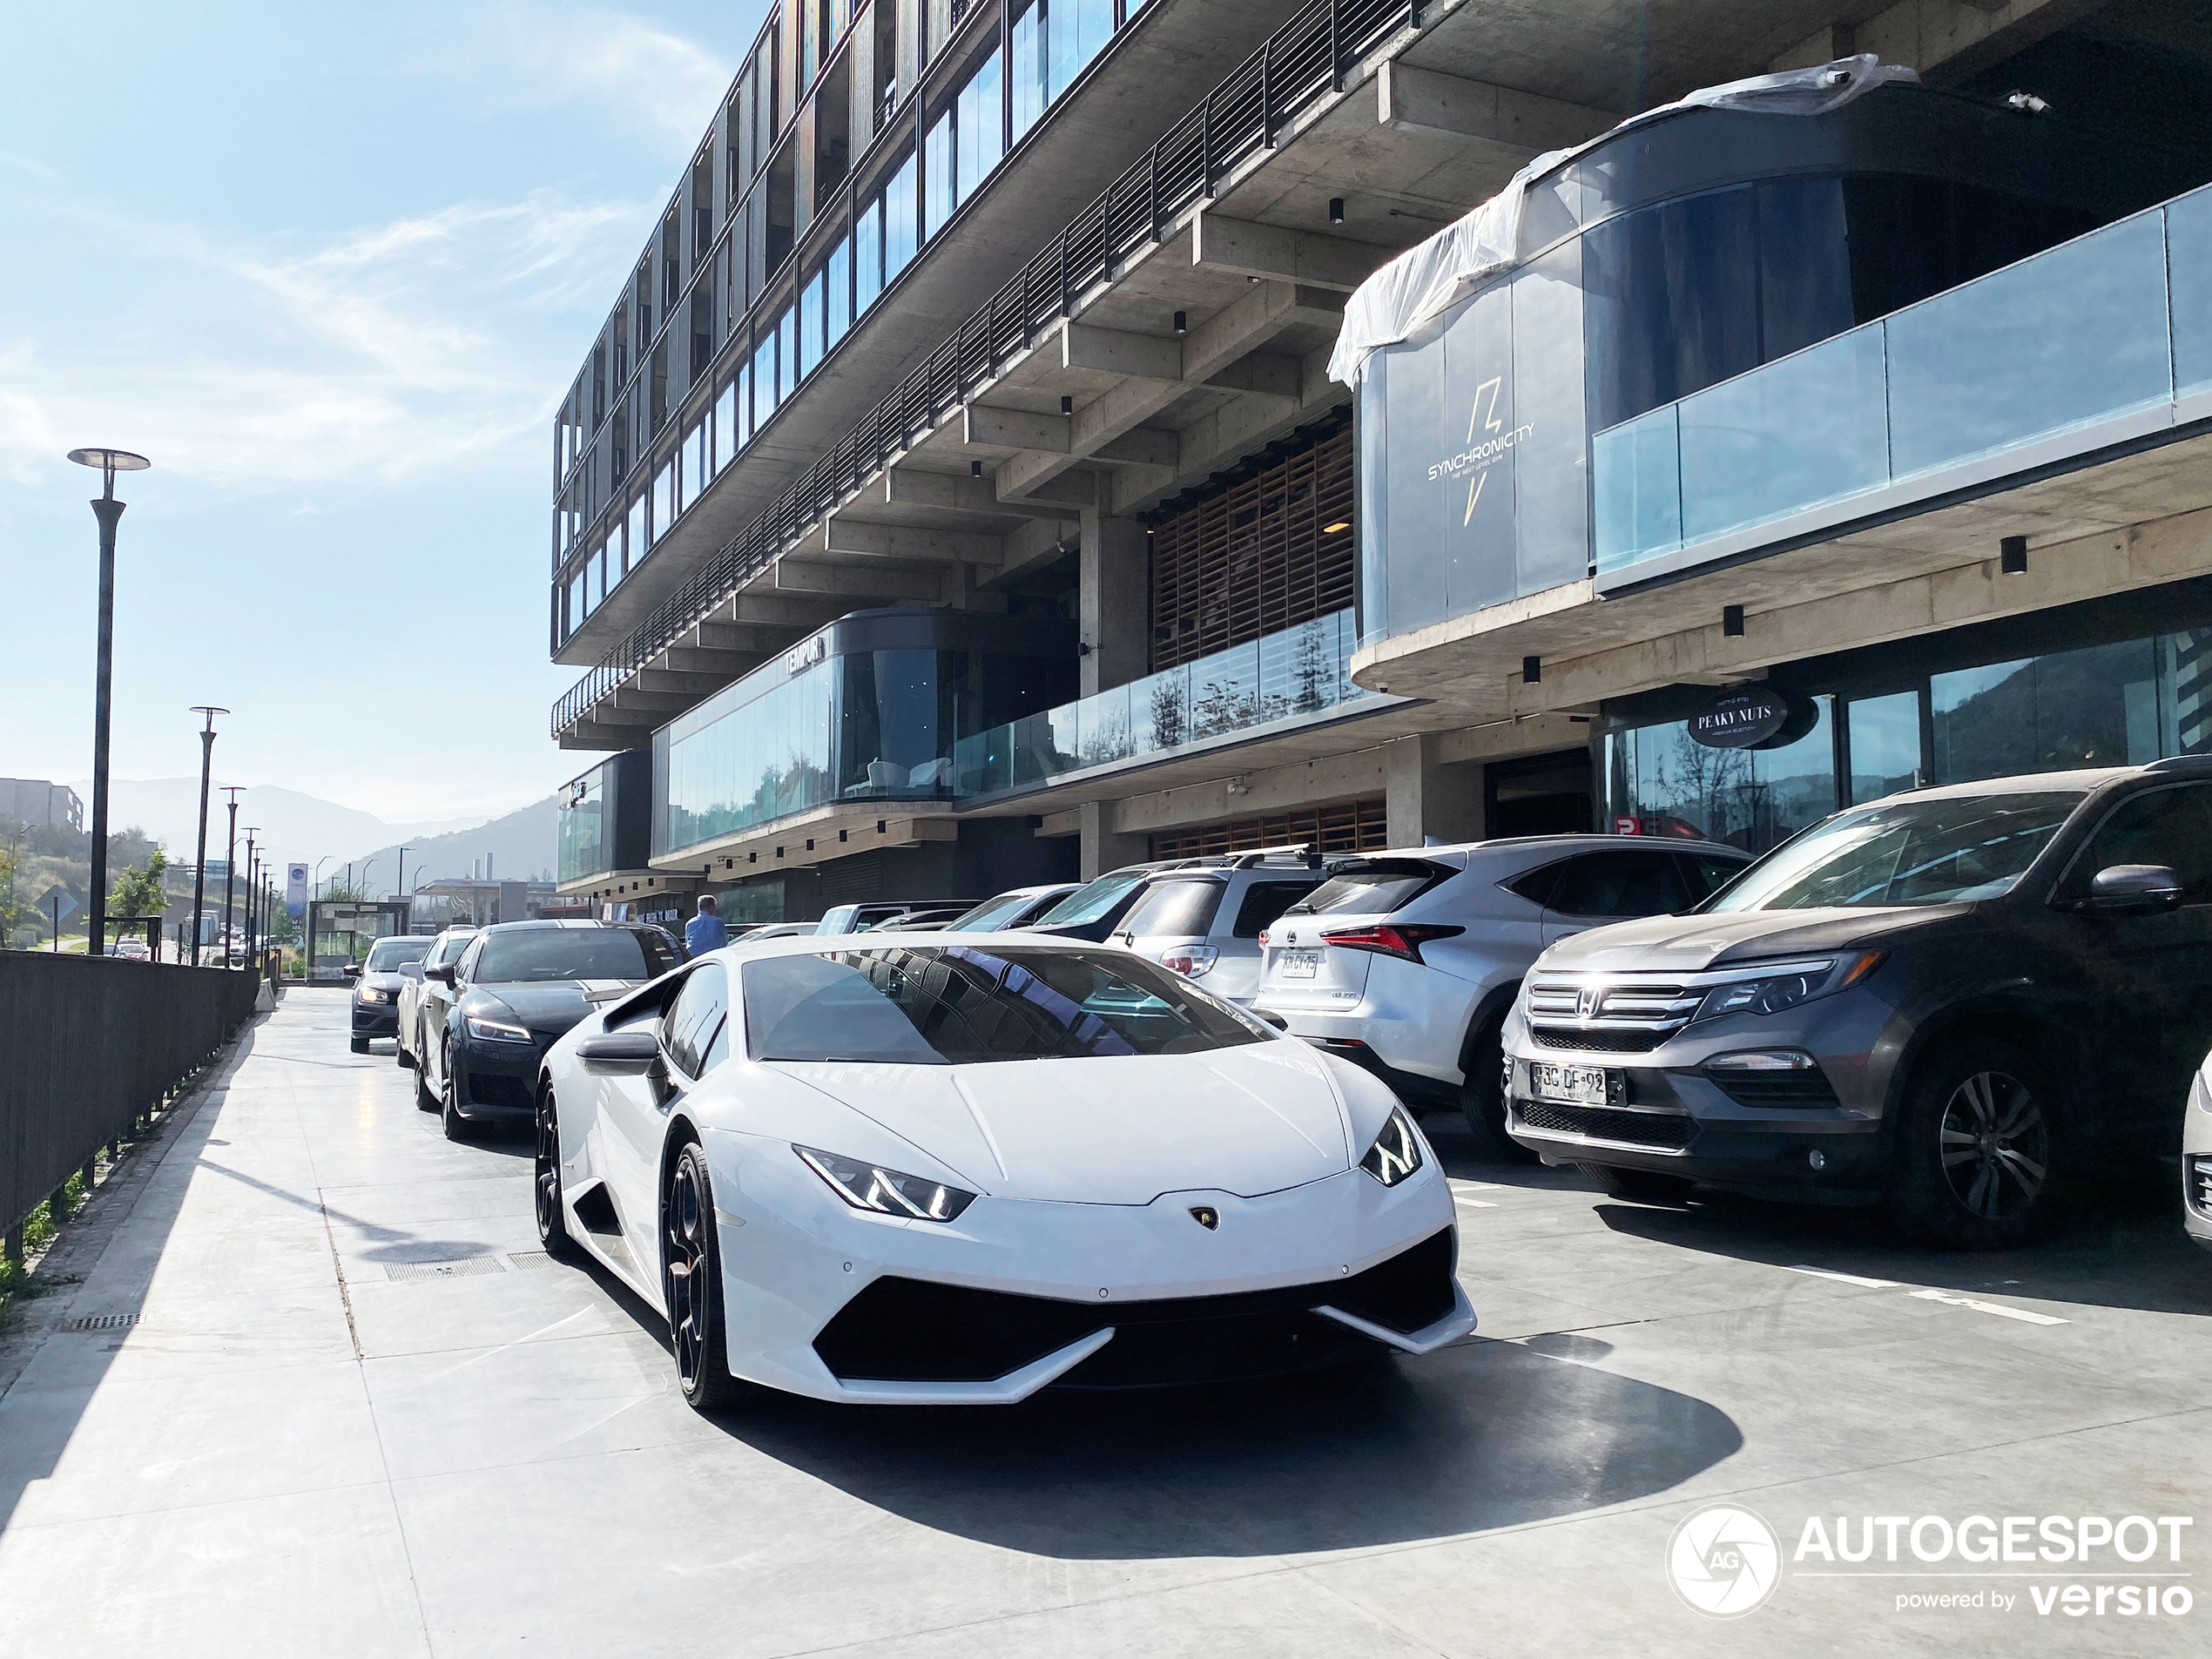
column 1742, row 718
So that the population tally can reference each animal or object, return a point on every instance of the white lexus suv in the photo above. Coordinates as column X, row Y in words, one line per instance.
column 1406, row 962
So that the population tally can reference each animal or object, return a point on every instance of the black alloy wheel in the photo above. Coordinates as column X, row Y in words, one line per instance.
column 552, row 1221
column 1977, row 1156
column 1482, row 1097
column 692, row 1283
column 424, row 1100
column 457, row 1128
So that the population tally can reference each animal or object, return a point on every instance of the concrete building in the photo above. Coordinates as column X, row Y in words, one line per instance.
column 1055, row 542
column 35, row 801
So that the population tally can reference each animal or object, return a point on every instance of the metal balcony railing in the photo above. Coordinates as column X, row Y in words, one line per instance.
column 1301, row 64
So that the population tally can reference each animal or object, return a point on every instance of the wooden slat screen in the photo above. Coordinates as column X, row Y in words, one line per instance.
column 1259, row 555
column 1344, row 827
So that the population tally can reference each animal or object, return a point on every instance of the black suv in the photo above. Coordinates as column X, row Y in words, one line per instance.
column 1947, row 1000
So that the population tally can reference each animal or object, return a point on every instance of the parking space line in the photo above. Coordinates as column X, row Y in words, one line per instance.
column 1848, row 1279
column 1998, row 1309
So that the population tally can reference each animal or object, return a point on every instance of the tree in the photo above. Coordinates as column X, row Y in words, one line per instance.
column 12, row 908
column 142, row 891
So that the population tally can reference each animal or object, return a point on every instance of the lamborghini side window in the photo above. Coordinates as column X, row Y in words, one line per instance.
column 691, row 1031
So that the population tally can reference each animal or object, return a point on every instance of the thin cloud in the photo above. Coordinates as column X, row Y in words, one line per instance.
column 635, row 74
column 389, row 353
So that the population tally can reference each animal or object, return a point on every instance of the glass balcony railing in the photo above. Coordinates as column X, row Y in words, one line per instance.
column 1292, row 675
column 2114, row 323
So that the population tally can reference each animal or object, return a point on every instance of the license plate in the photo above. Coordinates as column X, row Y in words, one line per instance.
column 1301, row 964
column 1576, row 1085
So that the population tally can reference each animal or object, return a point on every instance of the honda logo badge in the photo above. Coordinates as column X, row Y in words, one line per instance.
column 1206, row 1216
column 1588, row 1002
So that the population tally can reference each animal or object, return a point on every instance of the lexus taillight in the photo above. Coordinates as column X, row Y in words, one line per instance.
column 1403, row 940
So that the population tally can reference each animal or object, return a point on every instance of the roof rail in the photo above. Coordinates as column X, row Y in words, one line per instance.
column 2179, row 763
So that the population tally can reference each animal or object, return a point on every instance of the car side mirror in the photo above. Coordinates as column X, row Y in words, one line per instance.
column 351, row 970
column 1266, row 1017
column 2133, row 890
column 632, row 1049
column 443, row 975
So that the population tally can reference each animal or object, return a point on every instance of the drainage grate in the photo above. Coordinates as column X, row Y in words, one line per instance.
column 473, row 1266
column 102, row 1322
column 528, row 1259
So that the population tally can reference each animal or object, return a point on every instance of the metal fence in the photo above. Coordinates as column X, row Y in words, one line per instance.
column 88, row 1046
column 1300, row 64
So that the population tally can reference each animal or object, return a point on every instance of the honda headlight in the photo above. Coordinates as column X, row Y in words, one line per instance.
column 370, row 993
column 496, row 1030
column 1397, row 1151
column 870, row 1186
column 1784, row 985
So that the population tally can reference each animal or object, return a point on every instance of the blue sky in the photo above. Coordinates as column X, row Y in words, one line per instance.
column 331, row 269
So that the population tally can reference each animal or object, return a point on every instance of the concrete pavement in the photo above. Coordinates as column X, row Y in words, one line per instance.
column 328, row 1398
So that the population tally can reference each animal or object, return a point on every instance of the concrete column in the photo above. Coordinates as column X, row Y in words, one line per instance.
column 1103, row 847
column 1115, row 613
column 1425, row 794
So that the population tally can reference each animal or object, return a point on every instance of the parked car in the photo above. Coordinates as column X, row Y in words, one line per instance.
column 1947, row 1002
column 775, row 930
column 922, row 919
column 1205, row 921
column 1016, row 907
column 131, row 950
column 1406, row 962
column 2196, row 1158
column 378, row 980
column 928, row 1219
column 858, row 918
column 514, row 989
column 1095, row 910
column 445, row 949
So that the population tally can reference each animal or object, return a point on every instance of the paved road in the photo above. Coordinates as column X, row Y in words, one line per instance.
column 358, row 1414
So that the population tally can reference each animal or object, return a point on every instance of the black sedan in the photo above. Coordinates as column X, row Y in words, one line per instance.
column 518, row 987
column 377, row 984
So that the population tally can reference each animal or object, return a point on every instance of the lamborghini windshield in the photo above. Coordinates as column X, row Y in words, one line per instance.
column 956, row 1005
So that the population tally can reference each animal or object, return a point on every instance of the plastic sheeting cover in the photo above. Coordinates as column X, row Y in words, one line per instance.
column 1426, row 281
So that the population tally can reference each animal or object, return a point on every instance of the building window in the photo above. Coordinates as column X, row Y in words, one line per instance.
column 937, row 175
column 810, row 324
column 699, row 465
column 1025, row 68
column 786, row 354
column 724, row 441
column 764, row 378
column 663, row 512
column 900, row 228
column 1347, row 827
column 639, row 540
column 867, row 255
column 979, row 140
column 840, row 276
column 1256, row 556
column 1074, row 29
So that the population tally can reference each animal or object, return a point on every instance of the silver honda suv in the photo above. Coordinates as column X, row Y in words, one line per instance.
column 1948, row 1002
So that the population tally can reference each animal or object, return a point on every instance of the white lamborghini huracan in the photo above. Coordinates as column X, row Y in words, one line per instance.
column 953, row 1168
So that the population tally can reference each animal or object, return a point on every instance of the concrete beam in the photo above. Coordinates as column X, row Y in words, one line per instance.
column 993, row 428
column 635, row 699
column 1117, row 350
column 697, row 659
column 1143, row 446
column 681, row 684
column 954, row 493
column 1250, row 248
column 859, row 539
column 857, row 581
column 1425, row 102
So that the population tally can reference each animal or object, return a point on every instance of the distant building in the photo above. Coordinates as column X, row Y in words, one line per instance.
column 33, row 800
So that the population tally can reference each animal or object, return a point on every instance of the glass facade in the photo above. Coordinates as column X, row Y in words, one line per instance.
column 1722, row 317
column 578, row 841
column 873, row 710
column 2118, row 704
column 1005, row 91
column 1297, row 674
column 2076, row 337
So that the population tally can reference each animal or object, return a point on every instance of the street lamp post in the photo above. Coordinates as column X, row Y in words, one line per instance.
column 252, row 830
column 230, row 873
column 108, row 510
column 200, row 870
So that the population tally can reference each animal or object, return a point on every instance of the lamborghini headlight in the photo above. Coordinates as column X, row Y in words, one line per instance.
column 1397, row 1151
column 869, row 1186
